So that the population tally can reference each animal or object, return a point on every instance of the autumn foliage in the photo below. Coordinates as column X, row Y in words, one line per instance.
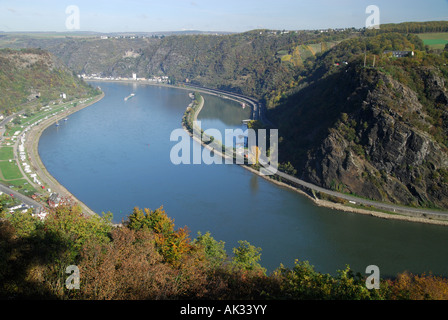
column 172, row 244
column 408, row 286
column 148, row 258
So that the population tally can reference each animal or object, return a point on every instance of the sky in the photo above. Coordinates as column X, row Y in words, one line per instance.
column 208, row 15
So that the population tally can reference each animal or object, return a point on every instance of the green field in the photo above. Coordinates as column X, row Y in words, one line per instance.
column 20, row 39
column 302, row 52
column 10, row 174
column 435, row 40
column 21, row 185
column 10, row 170
column 6, row 153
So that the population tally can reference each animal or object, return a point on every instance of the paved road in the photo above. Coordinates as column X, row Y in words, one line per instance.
column 256, row 106
column 417, row 212
column 31, row 147
column 259, row 114
column 4, row 188
column 6, row 120
column 28, row 201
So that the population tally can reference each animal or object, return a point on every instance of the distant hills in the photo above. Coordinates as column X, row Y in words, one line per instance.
column 77, row 34
column 256, row 63
column 351, row 116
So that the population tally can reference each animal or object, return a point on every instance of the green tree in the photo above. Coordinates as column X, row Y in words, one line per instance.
column 214, row 250
column 24, row 223
column 287, row 168
column 305, row 283
column 69, row 223
column 155, row 220
column 255, row 125
column 247, row 257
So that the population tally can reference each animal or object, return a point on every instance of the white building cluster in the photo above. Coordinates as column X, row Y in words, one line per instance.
column 22, row 154
column 154, row 79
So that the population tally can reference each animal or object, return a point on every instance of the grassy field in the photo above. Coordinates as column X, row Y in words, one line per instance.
column 10, row 170
column 10, row 174
column 435, row 40
column 304, row 51
column 22, row 186
column 6, row 153
column 20, row 39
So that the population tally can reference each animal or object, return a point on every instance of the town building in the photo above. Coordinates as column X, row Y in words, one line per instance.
column 400, row 54
column 54, row 200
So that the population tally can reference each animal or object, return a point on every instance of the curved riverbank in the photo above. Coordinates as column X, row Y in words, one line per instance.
column 417, row 217
column 426, row 217
column 32, row 145
column 345, row 208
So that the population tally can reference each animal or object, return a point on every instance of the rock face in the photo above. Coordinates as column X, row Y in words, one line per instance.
column 381, row 148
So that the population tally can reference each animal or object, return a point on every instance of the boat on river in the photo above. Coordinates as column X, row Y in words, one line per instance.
column 129, row 96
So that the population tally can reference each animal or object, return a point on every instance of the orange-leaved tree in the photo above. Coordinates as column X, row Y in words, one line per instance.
column 172, row 244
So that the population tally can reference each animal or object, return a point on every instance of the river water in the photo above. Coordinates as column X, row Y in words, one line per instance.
column 115, row 155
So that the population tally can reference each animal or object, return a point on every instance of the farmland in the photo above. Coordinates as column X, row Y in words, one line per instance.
column 436, row 40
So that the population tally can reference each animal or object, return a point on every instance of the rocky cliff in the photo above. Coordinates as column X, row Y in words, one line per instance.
column 372, row 135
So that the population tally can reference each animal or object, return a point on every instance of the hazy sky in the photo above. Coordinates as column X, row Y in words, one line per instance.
column 210, row 15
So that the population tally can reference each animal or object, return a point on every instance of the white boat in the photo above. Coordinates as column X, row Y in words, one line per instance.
column 129, row 97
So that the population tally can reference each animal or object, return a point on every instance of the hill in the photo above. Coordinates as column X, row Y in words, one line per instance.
column 148, row 258
column 259, row 63
column 34, row 75
column 351, row 117
column 376, row 130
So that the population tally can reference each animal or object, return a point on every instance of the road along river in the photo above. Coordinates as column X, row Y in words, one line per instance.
column 115, row 155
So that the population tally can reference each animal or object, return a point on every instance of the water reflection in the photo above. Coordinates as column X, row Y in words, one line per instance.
column 223, row 113
column 254, row 186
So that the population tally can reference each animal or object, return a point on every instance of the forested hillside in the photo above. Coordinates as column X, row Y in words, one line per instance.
column 34, row 75
column 264, row 64
column 415, row 27
column 351, row 116
column 260, row 63
column 365, row 122
column 148, row 258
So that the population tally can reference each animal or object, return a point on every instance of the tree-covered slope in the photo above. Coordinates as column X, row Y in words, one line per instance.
column 351, row 117
column 149, row 259
column 379, row 130
column 260, row 63
column 35, row 75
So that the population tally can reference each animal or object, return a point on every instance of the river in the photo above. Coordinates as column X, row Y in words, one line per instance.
column 115, row 155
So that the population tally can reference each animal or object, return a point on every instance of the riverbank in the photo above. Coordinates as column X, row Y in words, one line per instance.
column 31, row 147
column 353, row 204
column 349, row 209
column 352, row 208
